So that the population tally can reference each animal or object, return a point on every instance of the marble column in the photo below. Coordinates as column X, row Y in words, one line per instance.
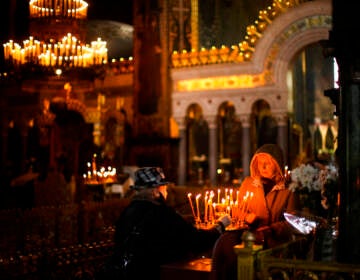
column 213, row 153
column 4, row 148
column 282, row 138
column 346, row 48
column 98, row 129
column 349, row 167
column 245, row 143
column 24, row 139
column 182, row 151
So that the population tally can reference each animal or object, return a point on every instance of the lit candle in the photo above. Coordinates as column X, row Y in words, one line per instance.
column 191, row 205
column 249, row 195
column 206, row 207
column 212, row 195
column 213, row 212
column 242, row 208
column 197, row 206
column 218, row 198
column 235, row 211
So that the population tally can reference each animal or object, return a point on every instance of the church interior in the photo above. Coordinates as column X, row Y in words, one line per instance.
column 194, row 87
column 215, row 93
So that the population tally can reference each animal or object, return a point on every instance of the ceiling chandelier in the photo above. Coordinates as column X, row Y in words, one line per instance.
column 50, row 20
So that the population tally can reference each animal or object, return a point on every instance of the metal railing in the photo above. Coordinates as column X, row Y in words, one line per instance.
column 289, row 261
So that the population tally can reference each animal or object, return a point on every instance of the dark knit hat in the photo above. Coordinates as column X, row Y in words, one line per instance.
column 149, row 177
column 275, row 151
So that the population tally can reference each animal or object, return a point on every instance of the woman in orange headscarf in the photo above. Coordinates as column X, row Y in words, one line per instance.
column 269, row 198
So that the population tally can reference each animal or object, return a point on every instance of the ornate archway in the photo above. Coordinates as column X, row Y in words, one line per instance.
column 264, row 76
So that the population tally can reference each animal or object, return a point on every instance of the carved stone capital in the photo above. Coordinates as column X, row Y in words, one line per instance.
column 211, row 120
column 181, row 122
column 244, row 119
column 281, row 118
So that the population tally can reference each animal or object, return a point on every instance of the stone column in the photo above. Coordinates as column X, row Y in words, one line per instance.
column 4, row 148
column 182, row 151
column 24, row 139
column 245, row 143
column 97, row 131
column 348, row 156
column 346, row 48
column 282, row 138
column 213, row 153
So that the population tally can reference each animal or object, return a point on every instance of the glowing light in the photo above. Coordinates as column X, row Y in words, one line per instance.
column 68, row 52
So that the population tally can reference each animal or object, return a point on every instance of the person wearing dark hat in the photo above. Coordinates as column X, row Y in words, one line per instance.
column 150, row 233
column 267, row 199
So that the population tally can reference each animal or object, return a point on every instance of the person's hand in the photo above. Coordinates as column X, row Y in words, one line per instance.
column 225, row 220
column 250, row 218
column 222, row 223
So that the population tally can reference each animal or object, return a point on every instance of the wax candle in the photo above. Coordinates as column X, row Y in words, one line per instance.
column 191, row 205
column 197, row 206
column 213, row 212
column 206, row 207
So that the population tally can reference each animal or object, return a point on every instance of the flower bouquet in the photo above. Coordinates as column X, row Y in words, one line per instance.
column 329, row 178
column 317, row 187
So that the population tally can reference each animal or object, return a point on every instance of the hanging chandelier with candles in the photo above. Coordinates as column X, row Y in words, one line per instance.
column 58, row 8
column 69, row 52
column 48, row 19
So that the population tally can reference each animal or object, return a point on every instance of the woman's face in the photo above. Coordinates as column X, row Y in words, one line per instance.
column 266, row 166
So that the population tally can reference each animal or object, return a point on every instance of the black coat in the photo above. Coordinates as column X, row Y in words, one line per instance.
column 155, row 234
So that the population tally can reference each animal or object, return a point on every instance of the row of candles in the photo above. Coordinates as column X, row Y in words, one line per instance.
column 101, row 176
column 213, row 207
column 227, row 203
column 69, row 51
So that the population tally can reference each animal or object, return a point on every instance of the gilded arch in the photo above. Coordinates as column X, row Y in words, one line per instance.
column 242, row 83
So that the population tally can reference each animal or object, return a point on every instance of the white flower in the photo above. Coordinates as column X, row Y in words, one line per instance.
column 305, row 176
column 329, row 173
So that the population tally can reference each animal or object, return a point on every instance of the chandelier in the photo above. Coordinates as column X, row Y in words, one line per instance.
column 55, row 50
column 58, row 8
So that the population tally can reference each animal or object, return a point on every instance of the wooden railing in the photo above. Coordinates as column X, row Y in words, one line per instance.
column 24, row 231
column 73, row 262
column 64, row 242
